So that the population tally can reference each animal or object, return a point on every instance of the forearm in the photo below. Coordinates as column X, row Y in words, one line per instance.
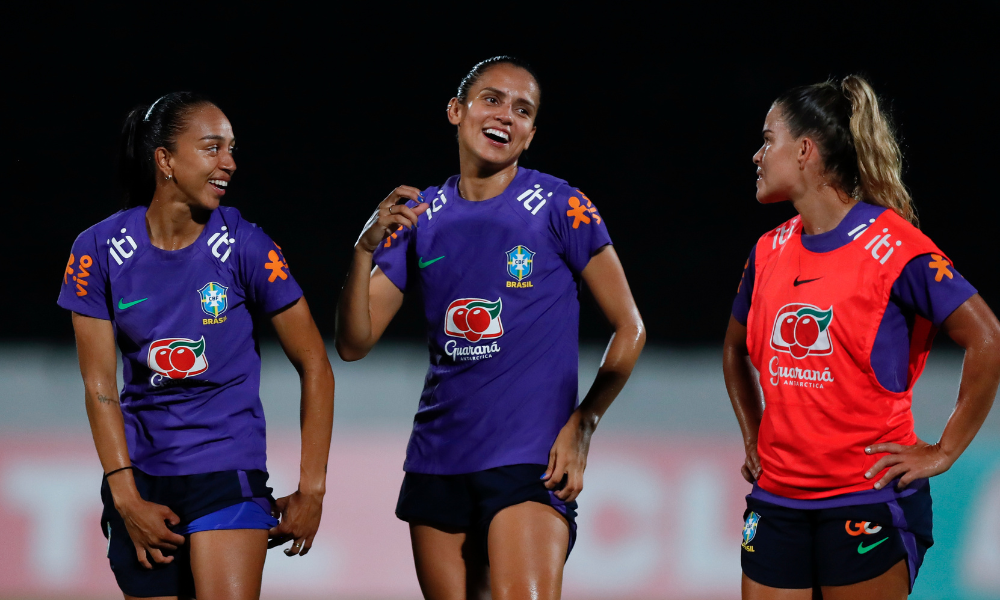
column 108, row 428
column 978, row 388
column 619, row 359
column 354, row 322
column 316, row 422
column 744, row 392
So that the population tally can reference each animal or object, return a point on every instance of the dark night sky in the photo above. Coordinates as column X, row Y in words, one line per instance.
column 656, row 122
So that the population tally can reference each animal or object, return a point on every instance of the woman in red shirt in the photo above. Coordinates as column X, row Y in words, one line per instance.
column 836, row 311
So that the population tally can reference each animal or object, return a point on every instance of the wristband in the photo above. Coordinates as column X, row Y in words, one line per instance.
column 106, row 475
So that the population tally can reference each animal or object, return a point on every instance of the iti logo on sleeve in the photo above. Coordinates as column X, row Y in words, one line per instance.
column 213, row 299
column 802, row 330
column 178, row 358
column 474, row 319
column 519, row 262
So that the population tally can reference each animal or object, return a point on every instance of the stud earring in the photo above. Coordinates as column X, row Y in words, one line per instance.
column 169, row 177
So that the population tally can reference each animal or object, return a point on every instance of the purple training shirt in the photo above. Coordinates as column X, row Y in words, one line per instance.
column 183, row 322
column 915, row 291
column 500, row 285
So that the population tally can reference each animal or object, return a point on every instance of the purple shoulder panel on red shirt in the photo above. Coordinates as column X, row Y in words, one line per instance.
column 927, row 287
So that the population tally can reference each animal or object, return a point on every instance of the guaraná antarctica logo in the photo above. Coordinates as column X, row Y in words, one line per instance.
column 176, row 358
column 802, row 330
column 474, row 319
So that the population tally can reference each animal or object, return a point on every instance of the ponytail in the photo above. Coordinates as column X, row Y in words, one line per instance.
column 879, row 159
column 855, row 140
column 146, row 128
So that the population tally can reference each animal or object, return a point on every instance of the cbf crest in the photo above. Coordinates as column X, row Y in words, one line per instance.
column 213, row 299
column 519, row 262
column 750, row 530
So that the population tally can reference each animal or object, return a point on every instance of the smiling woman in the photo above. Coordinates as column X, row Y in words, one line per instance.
column 499, row 444
column 187, row 509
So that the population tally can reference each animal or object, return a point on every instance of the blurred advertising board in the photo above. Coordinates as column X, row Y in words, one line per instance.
column 659, row 518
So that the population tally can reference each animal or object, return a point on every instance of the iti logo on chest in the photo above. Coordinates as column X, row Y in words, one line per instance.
column 213, row 298
column 474, row 319
column 802, row 330
column 519, row 262
column 177, row 358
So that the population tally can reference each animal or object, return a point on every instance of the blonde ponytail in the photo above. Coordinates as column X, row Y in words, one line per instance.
column 879, row 159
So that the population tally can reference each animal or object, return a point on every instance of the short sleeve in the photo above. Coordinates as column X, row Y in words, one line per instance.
column 84, row 285
column 391, row 255
column 930, row 286
column 744, row 293
column 579, row 227
column 269, row 282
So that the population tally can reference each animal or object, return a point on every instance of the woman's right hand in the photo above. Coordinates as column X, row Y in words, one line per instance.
column 751, row 466
column 391, row 214
column 146, row 525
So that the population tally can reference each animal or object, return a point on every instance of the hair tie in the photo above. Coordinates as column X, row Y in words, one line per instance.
column 150, row 111
column 106, row 475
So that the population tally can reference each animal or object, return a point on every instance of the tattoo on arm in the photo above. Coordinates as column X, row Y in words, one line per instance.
column 105, row 399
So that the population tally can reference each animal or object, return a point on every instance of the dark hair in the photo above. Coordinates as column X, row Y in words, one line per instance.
column 855, row 139
column 481, row 67
column 146, row 128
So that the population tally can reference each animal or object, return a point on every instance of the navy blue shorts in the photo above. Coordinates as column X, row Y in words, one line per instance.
column 220, row 500
column 471, row 500
column 801, row 548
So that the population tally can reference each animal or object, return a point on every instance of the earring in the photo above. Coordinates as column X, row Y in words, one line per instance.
column 169, row 177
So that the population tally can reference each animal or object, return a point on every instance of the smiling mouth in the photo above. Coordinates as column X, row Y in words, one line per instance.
column 497, row 135
column 219, row 185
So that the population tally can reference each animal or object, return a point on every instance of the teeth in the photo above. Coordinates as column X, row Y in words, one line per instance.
column 498, row 133
column 218, row 182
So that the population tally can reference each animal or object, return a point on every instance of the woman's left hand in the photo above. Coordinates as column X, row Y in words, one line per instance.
column 299, row 516
column 568, row 458
column 907, row 462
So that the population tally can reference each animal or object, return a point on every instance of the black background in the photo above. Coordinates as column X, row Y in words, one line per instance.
column 654, row 115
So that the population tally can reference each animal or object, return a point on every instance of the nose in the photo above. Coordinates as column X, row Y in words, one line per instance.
column 759, row 156
column 505, row 115
column 228, row 163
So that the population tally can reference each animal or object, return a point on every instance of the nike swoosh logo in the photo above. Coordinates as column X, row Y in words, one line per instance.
column 862, row 548
column 422, row 264
column 797, row 283
column 122, row 305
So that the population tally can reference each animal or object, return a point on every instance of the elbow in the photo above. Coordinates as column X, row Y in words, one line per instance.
column 348, row 352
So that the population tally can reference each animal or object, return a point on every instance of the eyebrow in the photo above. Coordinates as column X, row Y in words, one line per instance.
column 504, row 94
column 214, row 137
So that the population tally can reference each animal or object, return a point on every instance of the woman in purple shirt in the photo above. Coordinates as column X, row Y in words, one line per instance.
column 499, row 445
column 175, row 280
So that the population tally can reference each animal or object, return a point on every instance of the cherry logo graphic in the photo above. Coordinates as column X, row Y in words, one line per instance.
column 474, row 319
column 178, row 358
column 802, row 330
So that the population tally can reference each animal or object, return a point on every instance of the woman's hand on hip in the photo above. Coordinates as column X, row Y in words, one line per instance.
column 909, row 463
column 391, row 214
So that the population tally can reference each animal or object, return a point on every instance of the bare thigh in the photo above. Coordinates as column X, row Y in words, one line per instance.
column 758, row 591
column 227, row 564
column 450, row 563
column 127, row 597
column 527, row 546
column 892, row 585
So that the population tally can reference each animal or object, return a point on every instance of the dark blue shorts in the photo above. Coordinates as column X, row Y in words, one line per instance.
column 471, row 500
column 220, row 500
column 801, row 548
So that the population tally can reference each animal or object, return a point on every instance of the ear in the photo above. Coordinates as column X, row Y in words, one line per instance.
column 531, row 136
column 807, row 152
column 456, row 110
column 164, row 161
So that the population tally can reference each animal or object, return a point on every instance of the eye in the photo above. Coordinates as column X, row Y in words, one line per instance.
column 491, row 100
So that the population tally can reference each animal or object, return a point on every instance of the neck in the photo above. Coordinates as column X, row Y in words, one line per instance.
column 481, row 182
column 823, row 208
column 173, row 224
